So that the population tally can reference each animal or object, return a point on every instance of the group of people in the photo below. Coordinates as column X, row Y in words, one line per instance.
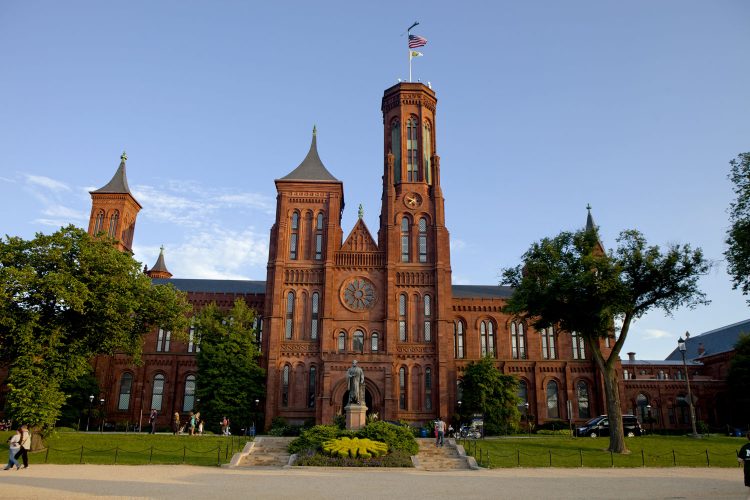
column 5, row 425
column 19, row 445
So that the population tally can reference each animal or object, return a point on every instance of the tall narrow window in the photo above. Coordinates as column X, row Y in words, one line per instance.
column 402, row 317
column 315, row 315
column 458, row 327
column 99, row 222
column 517, row 340
column 294, row 237
column 358, row 341
column 188, row 399
column 342, row 342
column 126, row 385
column 319, row 237
column 167, row 340
column 582, row 394
column 157, row 392
column 374, row 342
column 405, row 240
column 579, row 349
column 396, row 150
column 285, row 386
column 548, row 343
column 258, row 332
column 428, row 388
column 412, row 168
column 427, row 149
column 289, row 327
column 490, row 338
column 523, row 398
column 191, row 338
column 311, row 388
column 427, row 318
column 422, row 239
column 483, row 338
column 402, row 388
column 553, row 408
column 113, row 220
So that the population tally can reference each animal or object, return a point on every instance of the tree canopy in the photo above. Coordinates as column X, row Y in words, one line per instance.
column 64, row 298
column 484, row 389
column 569, row 281
column 229, row 378
column 738, row 381
column 738, row 234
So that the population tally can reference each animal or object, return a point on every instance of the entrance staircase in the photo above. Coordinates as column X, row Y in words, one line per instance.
column 267, row 451
column 447, row 457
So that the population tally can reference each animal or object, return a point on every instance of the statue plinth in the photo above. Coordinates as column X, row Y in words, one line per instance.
column 356, row 416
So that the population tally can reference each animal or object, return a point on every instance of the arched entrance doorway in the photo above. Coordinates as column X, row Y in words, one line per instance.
column 368, row 400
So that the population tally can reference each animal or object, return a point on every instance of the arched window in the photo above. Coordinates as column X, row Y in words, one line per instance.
column 306, row 236
column 405, row 239
column 99, row 222
column 625, row 375
column 579, row 349
column 491, row 339
column 427, row 149
column 483, row 338
column 402, row 302
column 517, row 340
column 113, row 220
column 548, row 343
column 396, row 150
column 285, row 386
column 682, row 409
column 358, row 341
column 487, row 338
column 126, row 385
column 422, row 239
column 374, row 342
column 553, row 409
column 582, row 394
column 311, row 388
column 315, row 315
column 157, row 392
column 163, row 340
column 167, row 340
column 427, row 318
column 641, row 402
column 319, row 237
column 428, row 388
column 342, row 341
column 188, row 400
column 294, row 237
column 402, row 388
column 412, row 168
column 523, row 398
column 458, row 339
column 289, row 327
column 191, row 337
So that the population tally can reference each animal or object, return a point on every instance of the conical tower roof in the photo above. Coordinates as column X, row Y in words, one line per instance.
column 119, row 182
column 311, row 168
column 160, row 268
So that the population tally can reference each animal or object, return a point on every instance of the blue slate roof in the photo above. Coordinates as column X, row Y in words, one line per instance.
column 215, row 286
column 714, row 342
column 481, row 292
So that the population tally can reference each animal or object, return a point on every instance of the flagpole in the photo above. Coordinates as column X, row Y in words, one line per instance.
column 409, row 65
column 408, row 33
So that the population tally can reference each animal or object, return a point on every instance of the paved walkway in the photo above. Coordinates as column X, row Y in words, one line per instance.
column 186, row 482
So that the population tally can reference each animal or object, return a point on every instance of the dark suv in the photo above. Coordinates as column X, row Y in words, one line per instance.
column 599, row 426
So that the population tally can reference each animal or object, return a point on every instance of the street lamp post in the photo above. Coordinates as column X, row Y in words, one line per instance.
column 528, row 424
column 88, row 418
column 682, row 346
column 257, row 407
column 650, row 418
column 101, row 415
column 459, row 417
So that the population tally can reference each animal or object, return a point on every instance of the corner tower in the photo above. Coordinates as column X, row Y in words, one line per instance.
column 114, row 210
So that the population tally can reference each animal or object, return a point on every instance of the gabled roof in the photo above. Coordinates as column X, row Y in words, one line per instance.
column 311, row 168
column 359, row 239
column 714, row 342
column 119, row 182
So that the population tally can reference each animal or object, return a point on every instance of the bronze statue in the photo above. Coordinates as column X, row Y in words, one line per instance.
column 356, row 384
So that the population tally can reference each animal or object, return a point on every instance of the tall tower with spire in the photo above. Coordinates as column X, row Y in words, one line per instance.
column 114, row 210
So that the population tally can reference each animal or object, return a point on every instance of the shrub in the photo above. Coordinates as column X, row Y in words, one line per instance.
column 355, row 447
column 394, row 459
column 398, row 438
column 559, row 432
column 553, row 425
column 314, row 437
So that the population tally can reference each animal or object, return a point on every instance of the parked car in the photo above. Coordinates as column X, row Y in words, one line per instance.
column 599, row 426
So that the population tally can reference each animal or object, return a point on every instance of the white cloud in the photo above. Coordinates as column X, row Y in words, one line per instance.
column 457, row 279
column 47, row 182
column 457, row 245
column 65, row 213
column 653, row 333
column 251, row 200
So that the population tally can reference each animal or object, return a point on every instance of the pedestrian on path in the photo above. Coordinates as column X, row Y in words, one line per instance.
column 14, row 445
column 440, row 432
column 744, row 457
column 25, row 446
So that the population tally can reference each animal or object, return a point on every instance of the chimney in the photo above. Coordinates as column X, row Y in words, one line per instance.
column 631, row 356
column 701, row 349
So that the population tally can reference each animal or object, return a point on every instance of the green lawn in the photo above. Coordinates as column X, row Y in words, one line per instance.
column 649, row 451
column 132, row 448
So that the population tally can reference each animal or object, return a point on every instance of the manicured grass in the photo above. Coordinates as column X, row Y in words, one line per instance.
column 132, row 448
column 648, row 451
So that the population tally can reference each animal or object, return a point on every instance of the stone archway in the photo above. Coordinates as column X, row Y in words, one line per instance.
column 368, row 400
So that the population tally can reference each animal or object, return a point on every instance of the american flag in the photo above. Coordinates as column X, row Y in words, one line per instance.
column 416, row 41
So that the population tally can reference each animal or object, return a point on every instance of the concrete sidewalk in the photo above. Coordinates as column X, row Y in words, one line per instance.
column 186, row 482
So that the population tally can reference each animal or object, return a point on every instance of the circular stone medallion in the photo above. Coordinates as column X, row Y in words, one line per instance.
column 358, row 294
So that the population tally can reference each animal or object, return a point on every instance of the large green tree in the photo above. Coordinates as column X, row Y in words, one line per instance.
column 569, row 281
column 64, row 298
column 738, row 234
column 484, row 389
column 738, row 381
column 229, row 378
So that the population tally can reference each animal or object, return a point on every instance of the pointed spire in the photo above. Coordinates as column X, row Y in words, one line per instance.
column 311, row 168
column 119, row 182
column 160, row 268
column 590, row 226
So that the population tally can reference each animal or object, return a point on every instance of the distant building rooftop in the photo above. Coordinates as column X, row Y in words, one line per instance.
column 713, row 342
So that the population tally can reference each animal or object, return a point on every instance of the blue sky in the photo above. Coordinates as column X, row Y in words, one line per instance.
column 634, row 107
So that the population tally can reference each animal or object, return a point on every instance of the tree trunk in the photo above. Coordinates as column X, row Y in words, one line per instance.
column 614, row 412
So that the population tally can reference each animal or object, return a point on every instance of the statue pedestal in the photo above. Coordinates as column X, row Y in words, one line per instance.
column 356, row 416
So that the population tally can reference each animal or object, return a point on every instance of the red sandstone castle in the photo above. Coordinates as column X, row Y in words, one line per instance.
column 387, row 301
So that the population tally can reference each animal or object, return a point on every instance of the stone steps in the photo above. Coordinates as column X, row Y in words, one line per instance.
column 267, row 452
column 434, row 458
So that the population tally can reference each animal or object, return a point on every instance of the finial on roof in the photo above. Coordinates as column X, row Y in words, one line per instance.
column 590, row 226
column 588, row 207
column 361, row 212
column 315, row 130
column 124, row 156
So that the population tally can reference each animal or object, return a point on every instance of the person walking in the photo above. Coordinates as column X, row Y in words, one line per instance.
column 191, row 423
column 440, row 432
column 25, row 446
column 176, row 423
column 14, row 445
column 744, row 457
column 152, row 420
column 199, row 421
